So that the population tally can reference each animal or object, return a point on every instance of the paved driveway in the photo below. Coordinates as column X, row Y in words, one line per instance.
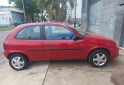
column 34, row 75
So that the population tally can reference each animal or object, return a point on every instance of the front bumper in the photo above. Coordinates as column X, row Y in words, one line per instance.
column 114, row 52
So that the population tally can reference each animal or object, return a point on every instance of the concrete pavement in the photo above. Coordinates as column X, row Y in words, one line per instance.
column 34, row 75
column 82, row 73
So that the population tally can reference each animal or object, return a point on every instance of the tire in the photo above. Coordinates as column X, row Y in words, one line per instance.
column 99, row 58
column 18, row 62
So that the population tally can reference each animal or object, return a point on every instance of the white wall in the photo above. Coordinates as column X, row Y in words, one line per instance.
column 4, row 19
column 78, row 10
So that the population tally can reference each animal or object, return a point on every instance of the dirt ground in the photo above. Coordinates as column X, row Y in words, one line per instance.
column 64, row 73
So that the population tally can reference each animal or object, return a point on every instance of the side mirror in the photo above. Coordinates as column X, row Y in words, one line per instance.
column 76, row 38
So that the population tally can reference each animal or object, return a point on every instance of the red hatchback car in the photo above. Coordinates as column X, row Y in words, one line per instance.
column 56, row 41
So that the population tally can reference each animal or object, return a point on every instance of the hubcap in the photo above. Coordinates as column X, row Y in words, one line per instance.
column 99, row 59
column 17, row 62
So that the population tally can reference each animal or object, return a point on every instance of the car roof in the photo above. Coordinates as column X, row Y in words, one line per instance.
column 19, row 27
column 43, row 23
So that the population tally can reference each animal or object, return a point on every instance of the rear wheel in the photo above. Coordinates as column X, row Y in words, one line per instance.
column 98, row 58
column 18, row 62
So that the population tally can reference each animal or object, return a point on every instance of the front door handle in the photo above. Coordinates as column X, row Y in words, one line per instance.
column 47, row 44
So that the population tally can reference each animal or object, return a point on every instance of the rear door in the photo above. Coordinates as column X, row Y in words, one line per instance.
column 59, row 45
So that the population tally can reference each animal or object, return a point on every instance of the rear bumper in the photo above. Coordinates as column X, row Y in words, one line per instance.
column 114, row 52
column 6, row 53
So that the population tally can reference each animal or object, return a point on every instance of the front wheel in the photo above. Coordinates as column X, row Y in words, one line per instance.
column 99, row 58
column 18, row 62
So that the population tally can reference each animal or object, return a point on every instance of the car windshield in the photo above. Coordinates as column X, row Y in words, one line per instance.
column 79, row 31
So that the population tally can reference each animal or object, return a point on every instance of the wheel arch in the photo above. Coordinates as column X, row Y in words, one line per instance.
column 98, row 49
column 19, row 53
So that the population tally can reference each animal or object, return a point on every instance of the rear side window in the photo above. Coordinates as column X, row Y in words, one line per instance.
column 31, row 32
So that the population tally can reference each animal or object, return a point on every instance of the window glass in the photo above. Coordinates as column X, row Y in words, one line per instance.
column 79, row 31
column 32, row 32
column 57, row 33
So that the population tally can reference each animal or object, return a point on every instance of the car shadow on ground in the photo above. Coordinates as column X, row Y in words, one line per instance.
column 37, row 64
column 114, row 64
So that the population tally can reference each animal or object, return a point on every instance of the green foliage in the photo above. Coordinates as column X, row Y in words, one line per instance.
column 53, row 9
column 31, row 7
column 3, row 28
column 46, row 8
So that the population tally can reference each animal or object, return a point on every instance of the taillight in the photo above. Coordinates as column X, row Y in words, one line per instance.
column 4, row 47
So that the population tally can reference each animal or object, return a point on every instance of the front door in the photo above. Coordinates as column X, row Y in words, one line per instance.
column 59, row 45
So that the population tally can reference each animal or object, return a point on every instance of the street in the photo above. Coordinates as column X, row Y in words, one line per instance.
column 68, row 72
column 3, row 35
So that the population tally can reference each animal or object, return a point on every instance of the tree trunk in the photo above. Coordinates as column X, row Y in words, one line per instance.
column 32, row 18
column 56, row 14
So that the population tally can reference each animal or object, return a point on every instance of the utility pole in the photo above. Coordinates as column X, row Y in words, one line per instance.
column 75, row 13
column 24, row 11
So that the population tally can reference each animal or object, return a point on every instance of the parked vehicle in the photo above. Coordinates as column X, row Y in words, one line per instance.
column 56, row 41
column 79, row 23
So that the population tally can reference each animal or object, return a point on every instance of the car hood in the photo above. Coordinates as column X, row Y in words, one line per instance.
column 97, row 36
column 100, row 40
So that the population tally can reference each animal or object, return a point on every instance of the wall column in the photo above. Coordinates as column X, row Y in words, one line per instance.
column 84, row 14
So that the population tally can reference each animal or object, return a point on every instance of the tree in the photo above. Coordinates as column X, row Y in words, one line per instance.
column 31, row 7
column 56, row 9
column 61, row 11
column 41, row 6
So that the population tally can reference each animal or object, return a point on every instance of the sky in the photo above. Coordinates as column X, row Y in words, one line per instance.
column 3, row 2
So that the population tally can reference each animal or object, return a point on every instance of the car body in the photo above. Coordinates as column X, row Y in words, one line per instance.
column 56, row 41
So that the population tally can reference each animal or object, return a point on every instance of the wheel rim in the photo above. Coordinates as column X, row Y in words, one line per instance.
column 99, row 59
column 17, row 62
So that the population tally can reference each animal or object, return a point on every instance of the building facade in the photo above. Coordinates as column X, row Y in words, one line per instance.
column 5, row 19
column 10, row 15
column 104, row 17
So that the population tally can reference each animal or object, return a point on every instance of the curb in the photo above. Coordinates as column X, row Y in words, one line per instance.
column 5, row 30
column 121, row 48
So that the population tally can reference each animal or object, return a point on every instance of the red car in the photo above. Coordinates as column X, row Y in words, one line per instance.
column 56, row 41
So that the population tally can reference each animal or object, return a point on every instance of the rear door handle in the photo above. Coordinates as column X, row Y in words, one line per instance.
column 47, row 44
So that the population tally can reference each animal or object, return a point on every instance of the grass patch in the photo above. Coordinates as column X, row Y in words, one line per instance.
column 4, row 28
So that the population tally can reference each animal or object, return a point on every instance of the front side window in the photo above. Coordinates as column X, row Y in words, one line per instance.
column 79, row 31
column 57, row 33
column 31, row 32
